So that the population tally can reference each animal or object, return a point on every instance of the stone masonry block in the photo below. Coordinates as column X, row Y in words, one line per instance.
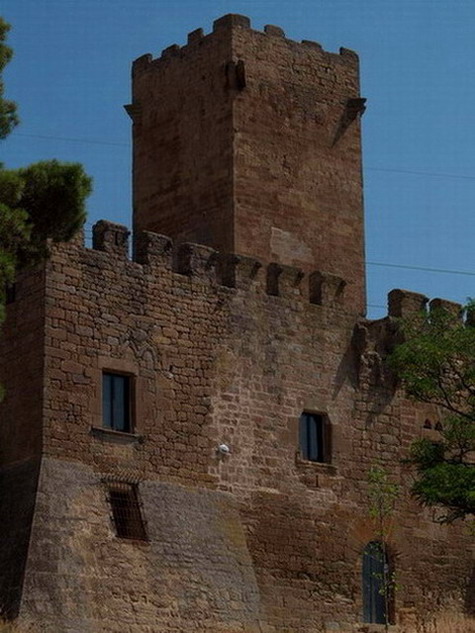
column 134, row 110
column 347, row 52
column 171, row 51
column 196, row 259
column 312, row 44
column 142, row 62
column 110, row 237
column 326, row 289
column 276, row 31
column 195, row 36
column 230, row 20
column 452, row 308
column 402, row 303
column 153, row 248
column 238, row 271
column 283, row 280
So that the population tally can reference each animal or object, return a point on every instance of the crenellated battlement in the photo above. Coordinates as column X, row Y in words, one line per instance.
column 259, row 144
column 373, row 340
column 242, row 272
column 233, row 21
column 404, row 304
column 221, row 269
column 196, row 411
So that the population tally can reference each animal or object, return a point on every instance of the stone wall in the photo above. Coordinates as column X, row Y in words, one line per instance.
column 22, row 351
column 183, row 148
column 221, row 350
column 249, row 142
column 18, row 489
column 22, row 354
column 195, row 573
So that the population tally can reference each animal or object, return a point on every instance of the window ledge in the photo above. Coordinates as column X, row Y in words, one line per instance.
column 139, row 542
column 121, row 437
column 314, row 474
column 322, row 467
column 369, row 627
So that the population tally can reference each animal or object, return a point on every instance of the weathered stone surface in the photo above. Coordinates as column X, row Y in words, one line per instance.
column 267, row 536
column 404, row 303
column 18, row 487
column 257, row 154
column 195, row 567
column 219, row 350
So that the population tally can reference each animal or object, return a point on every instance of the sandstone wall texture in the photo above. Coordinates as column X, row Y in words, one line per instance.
column 219, row 348
column 22, row 354
column 250, row 143
column 256, row 540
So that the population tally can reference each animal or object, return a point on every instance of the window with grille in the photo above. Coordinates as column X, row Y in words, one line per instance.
column 116, row 402
column 314, row 438
column 126, row 512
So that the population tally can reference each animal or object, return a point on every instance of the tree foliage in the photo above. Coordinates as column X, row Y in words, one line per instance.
column 382, row 496
column 436, row 364
column 41, row 202
column 45, row 200
column 8, row 109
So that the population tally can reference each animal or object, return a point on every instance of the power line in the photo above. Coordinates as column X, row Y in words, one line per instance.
column 386, row 264
column 423, row 268
column 70, row 139
column 119, row 144
column 375, row 305
column 421, row 173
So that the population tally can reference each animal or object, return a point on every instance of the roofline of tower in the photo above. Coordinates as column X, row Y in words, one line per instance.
column 232, row 21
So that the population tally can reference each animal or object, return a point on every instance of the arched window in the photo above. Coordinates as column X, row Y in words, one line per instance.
column 377, row 584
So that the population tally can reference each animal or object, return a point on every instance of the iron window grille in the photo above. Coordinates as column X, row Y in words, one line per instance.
column 126, row 512
column 116, row 390
column 314, row 438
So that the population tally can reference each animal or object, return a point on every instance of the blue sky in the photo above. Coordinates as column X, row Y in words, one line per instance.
column 71, row 76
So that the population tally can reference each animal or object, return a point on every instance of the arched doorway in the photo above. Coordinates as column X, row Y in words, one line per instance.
column 377, row 588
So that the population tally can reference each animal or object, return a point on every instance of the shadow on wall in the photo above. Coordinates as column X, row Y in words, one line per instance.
column 18, row 486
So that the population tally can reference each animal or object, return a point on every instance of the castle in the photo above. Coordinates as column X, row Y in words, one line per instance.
column 187, row 433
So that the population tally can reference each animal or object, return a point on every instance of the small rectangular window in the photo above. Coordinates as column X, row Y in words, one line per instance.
column 116, row 402
column 313, row 437
column 126, row 512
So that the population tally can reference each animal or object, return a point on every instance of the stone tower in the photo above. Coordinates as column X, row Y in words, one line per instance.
column 186, row 435
column 250, row 143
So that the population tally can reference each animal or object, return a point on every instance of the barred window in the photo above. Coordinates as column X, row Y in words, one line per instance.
column 126, row 512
